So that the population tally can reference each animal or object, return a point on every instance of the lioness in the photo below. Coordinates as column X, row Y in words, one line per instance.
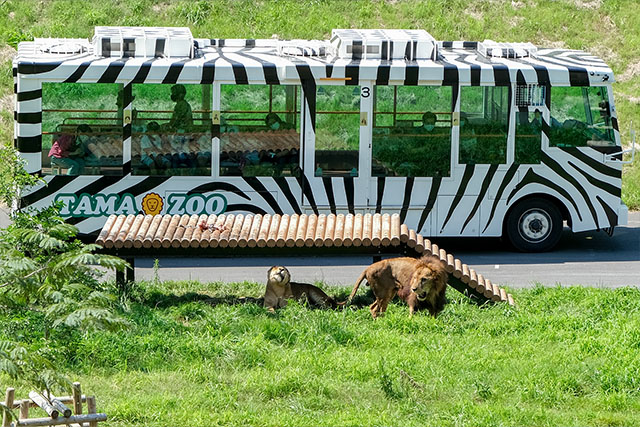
column 280, row 289
column 420, row 282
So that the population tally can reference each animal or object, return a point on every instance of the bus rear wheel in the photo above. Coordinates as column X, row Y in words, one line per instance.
column 534, row 225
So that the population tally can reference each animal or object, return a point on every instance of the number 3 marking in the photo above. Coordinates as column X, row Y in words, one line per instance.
column 365, row 91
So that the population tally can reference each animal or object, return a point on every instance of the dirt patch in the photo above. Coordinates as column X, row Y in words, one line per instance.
column 588, row 4
column 544, row 43
column 6, row 103
column 6, row 53
column 632, row 71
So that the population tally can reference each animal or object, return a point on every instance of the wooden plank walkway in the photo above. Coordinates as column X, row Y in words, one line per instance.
column 176, row 234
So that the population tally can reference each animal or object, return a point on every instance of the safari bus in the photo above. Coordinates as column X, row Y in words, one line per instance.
column 459, row 138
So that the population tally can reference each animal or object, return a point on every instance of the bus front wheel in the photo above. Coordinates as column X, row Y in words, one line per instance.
column 534, row 225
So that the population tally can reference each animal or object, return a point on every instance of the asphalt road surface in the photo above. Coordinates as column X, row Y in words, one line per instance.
column 589, row 259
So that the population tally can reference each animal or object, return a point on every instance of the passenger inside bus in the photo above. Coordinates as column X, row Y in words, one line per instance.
column 182, row 116
column 274, row 123
column 68, row 152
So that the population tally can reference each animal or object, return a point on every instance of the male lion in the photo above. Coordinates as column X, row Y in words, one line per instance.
column 420, row 282
column 280, row 288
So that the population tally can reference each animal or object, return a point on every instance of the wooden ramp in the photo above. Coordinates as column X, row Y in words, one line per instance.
column 184, row 235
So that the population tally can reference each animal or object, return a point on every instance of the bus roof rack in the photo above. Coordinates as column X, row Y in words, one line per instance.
column 384, row 44
column 145, row 42
column 491, row 49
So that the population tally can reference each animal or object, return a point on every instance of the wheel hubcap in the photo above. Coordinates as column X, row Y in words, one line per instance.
column 534, row 225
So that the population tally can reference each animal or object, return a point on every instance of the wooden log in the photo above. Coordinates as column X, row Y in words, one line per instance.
column 77, row 398
column 106, row 229
column 357, row 229
column 503, row 295
column 161, row 232
column 223, row 240
column 196, row 235
column 338, row 235
column 329, row 231
column 142, row 231
column 318, row 239
column 419, row 243
column 44, row 404
column 124, row 230
column 109, row 241
column 203, row 242
column 465, row 274
column 481, row 285
column 457, row 268
column 185, row 240
column 301, row 232
column 272, row 234
column 91, row 409
column 347, row 235
column 427, row 248
column 376, row 229
column 24, row 409
column 488, row 288
column 473, row 278
column 264, row 230
column 435, row 250
column 451, row 267
column 386, row 230
column 77, row 419
column 151, row 231
column 171, row 230
column 180, row 229
column 218, row 228
column 413, row 238
column 60, row 407
column 236, row 230
column 245, row 230
column 495, row 296
column 395, row 231
column 290, row 238
column 283, row 229
column 133, row 230
column 8, row 401
column 404, row 233
column 311, row 230
column 512, row 303
column 255, row 231
column 367, row 229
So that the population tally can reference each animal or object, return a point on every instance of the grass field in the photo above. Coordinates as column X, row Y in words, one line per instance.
column 199, row 355
column 608, row 28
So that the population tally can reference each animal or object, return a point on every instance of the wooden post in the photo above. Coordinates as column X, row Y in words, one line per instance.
column 91, row 409
column 60, row 407
column 24, row 409
column 77, row 399
column 8, row 401
column 131, row 272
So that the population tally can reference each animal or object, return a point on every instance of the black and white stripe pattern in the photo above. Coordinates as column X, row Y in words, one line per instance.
column 471, row 202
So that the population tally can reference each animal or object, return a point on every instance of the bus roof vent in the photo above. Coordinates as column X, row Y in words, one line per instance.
column 384, row 44
column 61, row 47
column 145, row 42
column 303, row 48
column 491, row 49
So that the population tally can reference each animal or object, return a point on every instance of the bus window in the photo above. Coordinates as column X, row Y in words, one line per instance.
column 412, row 131
column 528, row 140
column 81, row 130
column 259, row 130
column 583, row 117
column 483, row 139
column 171, row 129
column 337, row 130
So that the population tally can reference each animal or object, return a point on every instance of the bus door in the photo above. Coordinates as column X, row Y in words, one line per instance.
column 411, row 152
column 335, row 147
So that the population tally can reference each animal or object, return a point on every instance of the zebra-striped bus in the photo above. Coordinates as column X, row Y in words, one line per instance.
column 460, row 138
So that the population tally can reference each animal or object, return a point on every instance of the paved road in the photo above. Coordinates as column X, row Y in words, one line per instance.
column 590, row 259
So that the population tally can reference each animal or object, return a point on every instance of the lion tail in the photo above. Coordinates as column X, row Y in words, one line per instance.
column 356, row 286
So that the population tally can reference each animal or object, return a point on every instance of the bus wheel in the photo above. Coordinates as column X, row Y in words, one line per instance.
column 534, row 225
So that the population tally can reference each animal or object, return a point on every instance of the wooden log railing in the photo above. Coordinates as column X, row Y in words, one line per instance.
column 239, row 234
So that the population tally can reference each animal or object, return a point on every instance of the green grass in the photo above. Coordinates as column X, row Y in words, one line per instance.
column 199, row 355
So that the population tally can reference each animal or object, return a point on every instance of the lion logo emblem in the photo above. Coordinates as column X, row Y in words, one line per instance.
column 152, row 204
